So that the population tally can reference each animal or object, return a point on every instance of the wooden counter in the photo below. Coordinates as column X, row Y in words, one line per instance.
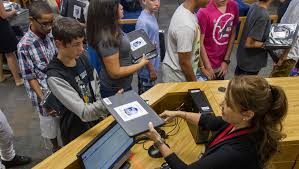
column 171, row 95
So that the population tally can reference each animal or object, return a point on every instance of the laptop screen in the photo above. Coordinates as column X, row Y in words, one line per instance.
column 108, row 149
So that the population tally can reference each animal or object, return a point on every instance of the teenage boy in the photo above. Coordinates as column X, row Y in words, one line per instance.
column 183, row 44
column 289, row 57
column 218, row 22
column 148, row 22
column 251, row 55
column 35, row 50
column 73, row 82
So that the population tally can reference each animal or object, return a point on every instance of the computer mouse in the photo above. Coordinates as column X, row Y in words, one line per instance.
column 222, row 89
column 154, row 152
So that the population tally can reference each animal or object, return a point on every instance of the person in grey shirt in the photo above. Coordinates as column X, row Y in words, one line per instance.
column 251, row 55
column 112, row 46
column 73, row 82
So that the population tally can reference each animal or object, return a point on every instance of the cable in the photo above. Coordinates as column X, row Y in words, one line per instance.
column 143, row 146
column 177, row 122
column 178, row 125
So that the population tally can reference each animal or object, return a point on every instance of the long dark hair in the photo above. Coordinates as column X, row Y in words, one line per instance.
column 102, row 24
column 269, row 104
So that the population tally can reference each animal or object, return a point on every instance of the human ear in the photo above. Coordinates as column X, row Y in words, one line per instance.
column 247, row 115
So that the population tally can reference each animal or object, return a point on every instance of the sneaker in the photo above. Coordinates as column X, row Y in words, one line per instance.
column 16, row 161
column 20, row 83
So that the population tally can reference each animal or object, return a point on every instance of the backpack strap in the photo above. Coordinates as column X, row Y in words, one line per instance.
column 89, row 70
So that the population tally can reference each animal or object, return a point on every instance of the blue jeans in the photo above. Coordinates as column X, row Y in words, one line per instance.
column 144, row 85
column 200, row 76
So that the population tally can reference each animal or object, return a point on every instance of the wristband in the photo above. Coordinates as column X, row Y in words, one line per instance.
column 158, row 143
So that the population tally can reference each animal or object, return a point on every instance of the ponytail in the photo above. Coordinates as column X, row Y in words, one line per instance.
column 279, row 104
column 271, row 126
column 269, row 104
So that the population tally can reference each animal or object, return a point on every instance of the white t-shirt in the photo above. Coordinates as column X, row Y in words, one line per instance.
column 183, row 36
column 291, row 17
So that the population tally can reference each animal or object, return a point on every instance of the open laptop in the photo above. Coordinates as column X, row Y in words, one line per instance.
column 132, row 112
column 107, row 150
column 141, row 44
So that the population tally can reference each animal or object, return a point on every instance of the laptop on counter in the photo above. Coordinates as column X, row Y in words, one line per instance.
column 132, row 112
column 109, row 150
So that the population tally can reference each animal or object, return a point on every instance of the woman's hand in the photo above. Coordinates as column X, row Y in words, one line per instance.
column 144, row 60
column 120, row 91
column 169, row 115
column 152, row 133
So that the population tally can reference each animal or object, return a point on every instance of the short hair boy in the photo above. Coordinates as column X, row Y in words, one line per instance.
column 35, row 51
column 148, row 22
column 73, row 81
column 251, row 55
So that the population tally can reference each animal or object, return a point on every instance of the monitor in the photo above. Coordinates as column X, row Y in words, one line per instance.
column 106, row 149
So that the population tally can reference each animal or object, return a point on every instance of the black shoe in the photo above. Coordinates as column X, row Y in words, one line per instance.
column 16, row 161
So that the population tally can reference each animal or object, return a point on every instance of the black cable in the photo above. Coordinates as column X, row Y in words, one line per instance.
column 143, row 146
column 179, row 127
column 176, row 122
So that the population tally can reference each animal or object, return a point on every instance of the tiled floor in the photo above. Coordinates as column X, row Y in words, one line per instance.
column 25, row 123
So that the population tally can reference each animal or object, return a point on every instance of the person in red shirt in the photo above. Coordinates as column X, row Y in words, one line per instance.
column 218, row 22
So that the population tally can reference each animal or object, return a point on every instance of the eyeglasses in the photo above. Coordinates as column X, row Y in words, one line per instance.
column 44, row 25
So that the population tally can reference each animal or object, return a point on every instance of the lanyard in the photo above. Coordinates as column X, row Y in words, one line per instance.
column 223, row 135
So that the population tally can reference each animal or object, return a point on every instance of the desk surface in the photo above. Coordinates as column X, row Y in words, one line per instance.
column 182, row 143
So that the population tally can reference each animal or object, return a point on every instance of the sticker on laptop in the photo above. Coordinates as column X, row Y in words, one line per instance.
column 206, row 108
column 137, row 43
column 130, row 111
column 278, row 35
column 77, row 12
column 107, row 101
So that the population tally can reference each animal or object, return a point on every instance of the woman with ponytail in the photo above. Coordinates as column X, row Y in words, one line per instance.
column 245, row 137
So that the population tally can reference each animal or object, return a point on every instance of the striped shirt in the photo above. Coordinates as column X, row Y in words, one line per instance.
column 34, row 55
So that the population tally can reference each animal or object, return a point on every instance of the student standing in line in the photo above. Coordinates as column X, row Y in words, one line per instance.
column 289, row 57
column 246, row 136
column 35, row 51
column 112, row 46
column 8, row 45
column 218, row 22
column 74, row 82
column 148, row 22
column 251, row 55
column 183, row 44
